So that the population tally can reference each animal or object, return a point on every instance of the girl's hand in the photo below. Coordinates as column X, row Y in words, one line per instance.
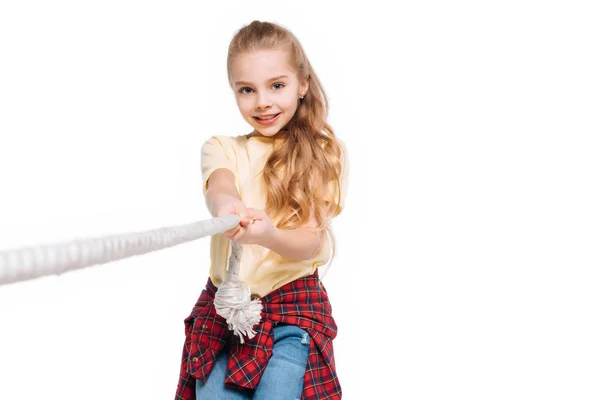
column 257, row 230
column 225, row 205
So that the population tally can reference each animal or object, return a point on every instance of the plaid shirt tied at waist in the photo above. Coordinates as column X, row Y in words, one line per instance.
column 303, row 302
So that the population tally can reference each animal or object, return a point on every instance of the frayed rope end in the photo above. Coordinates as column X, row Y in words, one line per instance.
column 241, row 312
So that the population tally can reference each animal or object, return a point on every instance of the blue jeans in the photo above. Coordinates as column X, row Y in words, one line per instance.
column 283, row 378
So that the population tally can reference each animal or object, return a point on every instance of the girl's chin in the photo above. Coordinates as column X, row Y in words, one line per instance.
column 265, row 133
column 266, row 130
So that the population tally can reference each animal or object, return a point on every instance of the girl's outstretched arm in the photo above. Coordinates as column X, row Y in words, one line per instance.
column 223, row 198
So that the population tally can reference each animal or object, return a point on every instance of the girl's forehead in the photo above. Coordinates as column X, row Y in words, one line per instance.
column 260, row 65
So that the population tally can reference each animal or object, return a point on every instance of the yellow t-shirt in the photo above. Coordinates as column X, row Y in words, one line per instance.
column 245, row 158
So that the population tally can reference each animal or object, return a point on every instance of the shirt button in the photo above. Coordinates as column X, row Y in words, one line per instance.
column 204, row 326
column 195, row 359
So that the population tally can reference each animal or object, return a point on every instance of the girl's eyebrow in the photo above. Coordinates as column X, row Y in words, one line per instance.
column 268, row 80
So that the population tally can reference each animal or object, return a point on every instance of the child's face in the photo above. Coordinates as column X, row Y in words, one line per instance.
column 266, row 86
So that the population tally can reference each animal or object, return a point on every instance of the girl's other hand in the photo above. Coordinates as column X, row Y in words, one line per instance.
column 256, row 230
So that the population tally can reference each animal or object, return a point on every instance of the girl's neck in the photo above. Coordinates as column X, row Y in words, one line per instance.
column 259, row 135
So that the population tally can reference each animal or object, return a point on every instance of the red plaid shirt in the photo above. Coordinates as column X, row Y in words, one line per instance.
column 303, row 302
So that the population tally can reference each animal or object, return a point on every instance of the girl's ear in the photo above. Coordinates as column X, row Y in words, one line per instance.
column 303, row 88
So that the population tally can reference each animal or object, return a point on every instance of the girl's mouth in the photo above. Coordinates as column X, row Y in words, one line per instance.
column 267, row 120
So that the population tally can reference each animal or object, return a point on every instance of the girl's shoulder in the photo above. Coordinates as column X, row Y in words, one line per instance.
column 226, row 138
column 234, row 143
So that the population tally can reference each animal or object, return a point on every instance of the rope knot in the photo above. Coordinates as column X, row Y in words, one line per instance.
column 233, row 300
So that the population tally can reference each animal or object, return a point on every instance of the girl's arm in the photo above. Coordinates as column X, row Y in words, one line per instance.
column 221, row 184
column 223, row 198
column 294, row 244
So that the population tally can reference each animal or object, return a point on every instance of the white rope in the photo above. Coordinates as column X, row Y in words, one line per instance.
column 232, row 301
column 34, row 262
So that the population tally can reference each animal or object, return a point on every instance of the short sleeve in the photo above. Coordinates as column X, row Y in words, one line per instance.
column 215, row 155
column 332, row 189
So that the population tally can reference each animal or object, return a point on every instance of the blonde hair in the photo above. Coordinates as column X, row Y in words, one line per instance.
column 302, row 174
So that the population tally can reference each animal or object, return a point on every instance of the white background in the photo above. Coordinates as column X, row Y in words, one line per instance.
column 468, row 252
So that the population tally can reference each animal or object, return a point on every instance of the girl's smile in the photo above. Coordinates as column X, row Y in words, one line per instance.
column 267, row 120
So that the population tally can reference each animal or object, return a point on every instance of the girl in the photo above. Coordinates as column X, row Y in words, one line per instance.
column 286, row 180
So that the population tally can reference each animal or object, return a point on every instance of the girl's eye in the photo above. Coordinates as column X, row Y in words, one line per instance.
column 278, row 85
column 244, row 90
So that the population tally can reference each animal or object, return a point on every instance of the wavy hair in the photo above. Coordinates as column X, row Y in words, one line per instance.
column 302, row 174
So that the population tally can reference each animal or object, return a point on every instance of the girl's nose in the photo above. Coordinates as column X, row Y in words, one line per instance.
column 262, row 100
